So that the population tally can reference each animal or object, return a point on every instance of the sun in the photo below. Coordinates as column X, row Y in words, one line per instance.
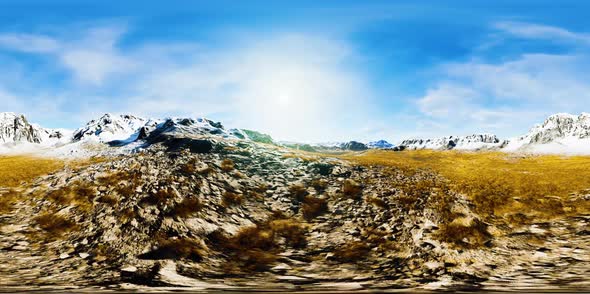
column 283, row 100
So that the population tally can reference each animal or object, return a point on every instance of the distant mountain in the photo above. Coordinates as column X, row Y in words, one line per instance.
column 381, row 144
column 559, row 133
column 110, row 127
column 339, row 146
column 471, row 142
column 354, row 146
column 15, row 128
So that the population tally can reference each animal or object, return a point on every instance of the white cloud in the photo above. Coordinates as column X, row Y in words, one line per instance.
column 29, row 43
column 537, row 31
column 513, row 95
column 91, row 57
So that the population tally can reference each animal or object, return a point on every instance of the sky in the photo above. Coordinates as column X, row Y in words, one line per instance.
column 309, row 71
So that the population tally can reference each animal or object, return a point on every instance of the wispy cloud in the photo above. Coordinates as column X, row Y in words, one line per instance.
column 91, row 58
column 29, row 43
column 539, row 31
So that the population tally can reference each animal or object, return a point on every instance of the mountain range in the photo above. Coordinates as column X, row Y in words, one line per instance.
column 559, row 133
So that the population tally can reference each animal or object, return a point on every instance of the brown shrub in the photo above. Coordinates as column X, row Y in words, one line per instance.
column 255, row 195
column 161, row 196
column 83, row 191
column 60, row 196
column 189, row 168
column 187, row 207
column 55, row 225
column 292, row 231
column 352, row 252
column 298, row 192
column 79, row 194
column 182, row 248
column 227, row 165
column 8, row 200
column 313, row 207
column 127, row 214
column 231, row 199
column 262, row 187
column 471, row 235
column 108, row 199
column 376, row 201
column 255, row 248
column 319, row 184
column 351, row 189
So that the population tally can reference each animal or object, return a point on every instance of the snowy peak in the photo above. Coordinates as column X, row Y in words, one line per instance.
column 110, row 127
column 559, row 126
column 471, row 142
column 560, row 133
column 14, row 128
column 183, row 126
column 381, row 144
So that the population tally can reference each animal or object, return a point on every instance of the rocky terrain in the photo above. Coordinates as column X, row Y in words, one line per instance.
column 199, row 211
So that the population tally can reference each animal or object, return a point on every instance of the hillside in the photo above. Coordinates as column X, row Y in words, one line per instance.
column 210, row 213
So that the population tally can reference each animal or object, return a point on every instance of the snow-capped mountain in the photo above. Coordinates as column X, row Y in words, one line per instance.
column 471, row 142
column 110, row 127
column 350, row 145
column 559, row 133
column 381, row 144
column 16, row 129
column 183, row 127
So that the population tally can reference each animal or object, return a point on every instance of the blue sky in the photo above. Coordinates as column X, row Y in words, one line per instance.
column 300, row 70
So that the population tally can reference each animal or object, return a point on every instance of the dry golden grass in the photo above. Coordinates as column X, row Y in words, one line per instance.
column 376, row 201
column 8, row 199
column 313, row 207
column 55, row 225
column 227, row 165
column 298, row 191
column 256, row 248
column 351, row 189
column 499, row 184
column 15, row 170
column 352, row 252
column 231, row 199
column 176, row 248
column 187, row 207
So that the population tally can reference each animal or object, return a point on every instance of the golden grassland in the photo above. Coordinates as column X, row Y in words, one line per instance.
column 14, row 170
column 501, row 184
column 17, row 171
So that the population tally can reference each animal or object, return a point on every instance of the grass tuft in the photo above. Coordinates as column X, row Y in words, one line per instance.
column 55, row 225
column 313, row 207
column 187, row 207
column 298, row 192
column 227, row 165
column 231, row 199
column 352, row 252
column 351, row 189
